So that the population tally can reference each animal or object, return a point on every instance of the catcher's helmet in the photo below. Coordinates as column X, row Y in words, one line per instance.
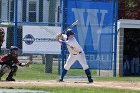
column 13, row 48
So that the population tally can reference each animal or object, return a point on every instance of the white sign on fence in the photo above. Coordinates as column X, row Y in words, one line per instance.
column 41, row 39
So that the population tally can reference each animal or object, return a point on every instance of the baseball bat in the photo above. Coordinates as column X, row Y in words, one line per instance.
column 72, row 25
column 69, row 27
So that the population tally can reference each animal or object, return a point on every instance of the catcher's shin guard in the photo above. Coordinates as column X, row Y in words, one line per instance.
column 87, row 71
column 1, row 74
column 10, row 76
column 2, row 71
column 12, row 73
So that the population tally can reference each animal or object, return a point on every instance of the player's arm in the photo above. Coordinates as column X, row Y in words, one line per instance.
column 61, row 41
column 20, row 64
column 3, row 59
column 65, row 42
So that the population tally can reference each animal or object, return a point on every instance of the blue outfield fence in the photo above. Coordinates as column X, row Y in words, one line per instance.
column 96, row 30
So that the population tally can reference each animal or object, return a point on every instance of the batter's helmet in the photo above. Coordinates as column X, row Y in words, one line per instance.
column 69, row 32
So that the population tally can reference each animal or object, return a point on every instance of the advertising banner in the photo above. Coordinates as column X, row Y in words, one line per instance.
column 41, row 39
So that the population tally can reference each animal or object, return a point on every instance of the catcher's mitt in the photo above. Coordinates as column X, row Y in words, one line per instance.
column 27, row 64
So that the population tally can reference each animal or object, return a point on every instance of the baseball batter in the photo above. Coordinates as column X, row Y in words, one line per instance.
column 76, row 53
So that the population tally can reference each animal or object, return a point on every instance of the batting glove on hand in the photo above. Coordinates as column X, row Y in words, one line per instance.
column 59, row 36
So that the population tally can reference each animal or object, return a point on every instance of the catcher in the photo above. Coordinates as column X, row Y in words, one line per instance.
column 9, row 64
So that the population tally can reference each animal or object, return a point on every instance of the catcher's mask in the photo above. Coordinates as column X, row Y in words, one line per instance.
column 14, row 51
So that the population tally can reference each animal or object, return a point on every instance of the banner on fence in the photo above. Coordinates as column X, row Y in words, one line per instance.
column 95, row 30
column 41, row 39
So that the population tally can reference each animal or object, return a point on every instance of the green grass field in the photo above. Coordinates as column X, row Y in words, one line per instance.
column 36, row 72
column 75, row 89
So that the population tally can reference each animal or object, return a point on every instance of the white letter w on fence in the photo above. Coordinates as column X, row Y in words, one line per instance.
column 92, row 20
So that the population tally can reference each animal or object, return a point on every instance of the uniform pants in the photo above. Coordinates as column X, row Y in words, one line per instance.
column 79, row 57
column 7, row 69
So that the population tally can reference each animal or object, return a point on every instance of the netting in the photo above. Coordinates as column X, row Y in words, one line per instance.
column 32, row 25
column 95, row 32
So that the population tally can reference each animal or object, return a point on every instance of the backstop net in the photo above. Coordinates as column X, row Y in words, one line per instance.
column 32, row 25
column 96, row 33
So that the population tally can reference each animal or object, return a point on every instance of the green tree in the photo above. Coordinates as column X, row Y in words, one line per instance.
column 128, row 9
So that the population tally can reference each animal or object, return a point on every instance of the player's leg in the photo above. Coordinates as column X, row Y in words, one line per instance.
column 1, row 73
column 4, row 69
column 67, row 66
column 82, row 60
column 12, row 73
column 87, row 71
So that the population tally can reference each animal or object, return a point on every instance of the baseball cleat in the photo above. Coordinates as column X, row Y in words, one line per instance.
column 90, row 80
column 61, row 80
column 10, row 79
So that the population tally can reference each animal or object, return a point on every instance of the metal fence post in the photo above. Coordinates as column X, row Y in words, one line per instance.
column 15, row 27
column 63, row 14
column 59, row 67
column 48, row 63
column 115, row 37
column 43, row 59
